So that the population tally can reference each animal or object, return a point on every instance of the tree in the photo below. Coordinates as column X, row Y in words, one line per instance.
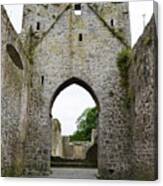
column 85, row 123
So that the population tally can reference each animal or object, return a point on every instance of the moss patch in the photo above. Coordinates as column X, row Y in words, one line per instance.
column 147, row 40
column 123, row 64
column 13, row 171
column 144, row 175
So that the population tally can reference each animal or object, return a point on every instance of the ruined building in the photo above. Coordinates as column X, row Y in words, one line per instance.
column 63, row 147
column 62, row 44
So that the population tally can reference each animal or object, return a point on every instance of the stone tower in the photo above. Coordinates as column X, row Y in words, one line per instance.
column 66, row 48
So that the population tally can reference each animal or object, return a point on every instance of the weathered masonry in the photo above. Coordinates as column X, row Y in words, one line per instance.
column 62, row 44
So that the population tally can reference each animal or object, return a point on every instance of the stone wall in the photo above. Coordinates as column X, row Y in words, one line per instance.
column 14, row 88
column 67, row 148
column 143, row 95
column 59, row 59
column 77, row 149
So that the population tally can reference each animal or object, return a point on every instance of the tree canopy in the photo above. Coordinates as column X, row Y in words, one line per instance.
column 85, row 123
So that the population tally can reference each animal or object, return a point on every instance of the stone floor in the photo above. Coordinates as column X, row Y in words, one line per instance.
column 73, row 173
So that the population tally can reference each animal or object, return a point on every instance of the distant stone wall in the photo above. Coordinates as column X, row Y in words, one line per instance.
column 73, row 150
column 57, row 145
column 67, row 147
column 77, row 149
column 143, row 97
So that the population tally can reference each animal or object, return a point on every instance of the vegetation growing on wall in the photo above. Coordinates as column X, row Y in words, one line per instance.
column 147, row 40
column 31, row 45
column 123, row 66
column 123, row 63
column 85, row 123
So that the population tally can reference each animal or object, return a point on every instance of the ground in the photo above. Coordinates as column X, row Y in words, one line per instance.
column 73, row 173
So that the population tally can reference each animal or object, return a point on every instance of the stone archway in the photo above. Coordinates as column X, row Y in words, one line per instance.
column 85, row 162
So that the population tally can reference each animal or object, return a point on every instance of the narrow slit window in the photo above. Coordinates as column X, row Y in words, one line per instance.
column 77, row 9
column 42, row 80
column 112, row 22
column 80, row 37
column 38, row 26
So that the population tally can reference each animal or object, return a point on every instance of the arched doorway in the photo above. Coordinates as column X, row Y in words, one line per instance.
column 74, row 150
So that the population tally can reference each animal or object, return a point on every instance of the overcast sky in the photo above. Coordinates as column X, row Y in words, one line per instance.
column 72, row 101
column 69, row 105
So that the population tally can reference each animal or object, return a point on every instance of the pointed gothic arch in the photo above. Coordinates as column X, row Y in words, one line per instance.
column 69, row 82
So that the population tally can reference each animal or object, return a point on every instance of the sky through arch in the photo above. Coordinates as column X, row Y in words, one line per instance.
column 69, row 105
